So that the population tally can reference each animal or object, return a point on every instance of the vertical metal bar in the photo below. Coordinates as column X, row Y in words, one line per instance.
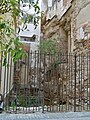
column 44, row 83
column 14, row 88
column 63, row 81
column 1, row 67
column 27, row 83
column 27, row 86
column 42, row 55
column 60, row 84
column 33, row 97
column 86, row 85
column 79, row 83
column 37, row 90
column 51, row 86
column 48, row 88
column 37, row 80
column 89, row 81
column 18, row 85
column 10, row 79
column 57, row 81
column 40, row 78
column 54, row 82
column 83, row 80
column 69, row 84
column 75, row 83
column 15, row 91
column 66, row 83
column 7, row 82
column 71, row 81
column 30, row 79
column 50, row 81
column 20, row 81
column 4, row 86
column 24, row 86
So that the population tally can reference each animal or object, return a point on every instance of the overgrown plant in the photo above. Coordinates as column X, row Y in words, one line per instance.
column 48, row 46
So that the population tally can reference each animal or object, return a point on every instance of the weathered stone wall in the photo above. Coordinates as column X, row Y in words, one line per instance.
column 80, row 44
column 80, row 30
column 54, row 30
column 74, row 27
column 78, row 27
column 61, row 40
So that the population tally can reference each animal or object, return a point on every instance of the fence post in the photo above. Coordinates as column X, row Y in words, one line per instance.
column 75, row 83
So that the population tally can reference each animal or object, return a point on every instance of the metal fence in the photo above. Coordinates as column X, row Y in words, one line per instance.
column 47, row 82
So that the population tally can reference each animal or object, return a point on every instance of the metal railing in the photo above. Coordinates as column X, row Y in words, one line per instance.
column 47, row 82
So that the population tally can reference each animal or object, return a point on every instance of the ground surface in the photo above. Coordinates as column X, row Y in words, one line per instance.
column 47, row 116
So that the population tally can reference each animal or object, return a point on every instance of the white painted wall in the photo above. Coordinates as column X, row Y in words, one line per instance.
column 30, row 31
column 50, row 2
column 30, row 27
column 26, row 8
column 44, row 5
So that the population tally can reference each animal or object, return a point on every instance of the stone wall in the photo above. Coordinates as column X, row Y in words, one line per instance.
column 73, row 28
column 62, row 40
column 80, row 30
column 75, row 21
column 54, row 30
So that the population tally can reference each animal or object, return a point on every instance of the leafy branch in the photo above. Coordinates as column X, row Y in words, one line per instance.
column 9, row 39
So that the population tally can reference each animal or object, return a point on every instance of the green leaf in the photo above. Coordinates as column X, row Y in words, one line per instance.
column 2, row 25
column 4, row 61
column 10, row 49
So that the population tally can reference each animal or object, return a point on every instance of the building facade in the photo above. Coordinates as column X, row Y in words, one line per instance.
column 67, row 21
column 81, row 26
column 30, row 35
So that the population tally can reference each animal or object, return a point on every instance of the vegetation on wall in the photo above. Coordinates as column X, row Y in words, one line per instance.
column 48, row 46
